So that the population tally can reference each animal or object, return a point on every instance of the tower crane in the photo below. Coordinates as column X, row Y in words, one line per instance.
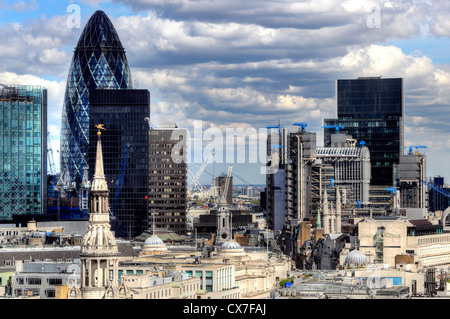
column 64, row 185
column 301, row 124
column 194, row 178
column 275, row 127
column 410, row 150
column 52, row 169
column 436, row 188
column 51, row 160
column 63, row 188
column 85, row 187
column 392, row 190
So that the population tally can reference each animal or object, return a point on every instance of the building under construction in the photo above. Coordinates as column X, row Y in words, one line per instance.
column 411, row 171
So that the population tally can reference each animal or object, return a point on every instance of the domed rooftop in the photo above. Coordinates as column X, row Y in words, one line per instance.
column 231, row 245
column 355, row 257
column 99, row 32
column 153, row 241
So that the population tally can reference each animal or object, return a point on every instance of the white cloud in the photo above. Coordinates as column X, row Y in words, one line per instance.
column 254, row 62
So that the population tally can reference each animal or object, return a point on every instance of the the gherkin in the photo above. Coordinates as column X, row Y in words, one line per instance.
column 99, row 61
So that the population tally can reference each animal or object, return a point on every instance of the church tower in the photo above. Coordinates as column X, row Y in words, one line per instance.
column 99, row 251
column 224, row 229
column 326, row 214
column 338, row 211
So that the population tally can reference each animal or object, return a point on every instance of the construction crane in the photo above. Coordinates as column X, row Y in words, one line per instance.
column 51, row 160
column 64, row 185
column 278, row 127
column 392, row 190
column 63, row 188
column 436, row 188
column 194, row 178
column 85, row 187
column 123, row 165
column 301, row 124
column 410, row 148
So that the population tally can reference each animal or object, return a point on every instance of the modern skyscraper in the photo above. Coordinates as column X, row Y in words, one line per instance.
column 125, row 153
column 23, row 145
column 99, row 61
column 292, row 152
column 371, row 110
column 167, row 185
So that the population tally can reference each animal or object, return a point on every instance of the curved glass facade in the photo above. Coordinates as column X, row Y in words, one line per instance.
column 99, row 62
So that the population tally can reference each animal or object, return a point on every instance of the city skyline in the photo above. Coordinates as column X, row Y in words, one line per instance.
column 248, row 65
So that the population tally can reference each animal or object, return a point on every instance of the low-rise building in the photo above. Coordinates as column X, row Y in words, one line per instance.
column 43, row 278
column 163, row 284
column 382, row 239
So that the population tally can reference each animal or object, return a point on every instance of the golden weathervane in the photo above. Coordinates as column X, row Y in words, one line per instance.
column 100, row 127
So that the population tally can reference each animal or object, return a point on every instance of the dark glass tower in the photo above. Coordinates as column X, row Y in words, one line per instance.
column 23, row 151
column 371, row 110
column 123, row 114
column 99, row 61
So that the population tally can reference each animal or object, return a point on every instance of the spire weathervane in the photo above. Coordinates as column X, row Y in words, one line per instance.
column 100, row 127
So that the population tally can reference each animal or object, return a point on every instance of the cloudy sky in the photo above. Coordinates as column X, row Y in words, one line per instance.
column 248, row 64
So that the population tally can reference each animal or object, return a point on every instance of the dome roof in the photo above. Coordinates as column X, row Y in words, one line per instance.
column 153, row 241
column 231, row 245
column 355, row 257
column 99, row 32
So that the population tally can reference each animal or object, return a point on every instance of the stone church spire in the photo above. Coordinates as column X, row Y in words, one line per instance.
column 99, row 182
column 99, row 251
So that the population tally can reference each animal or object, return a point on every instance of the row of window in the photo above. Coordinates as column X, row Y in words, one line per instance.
column 11, row 262
column 38, row 281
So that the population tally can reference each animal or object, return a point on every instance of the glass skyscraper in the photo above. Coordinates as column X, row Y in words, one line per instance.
column 371, row 110
column 123, row 114
column 23, row 147
column 99, row 61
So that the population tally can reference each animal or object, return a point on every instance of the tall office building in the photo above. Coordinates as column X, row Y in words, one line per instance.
column 291, row 151
column 220, row 184
column 125, row 153
column 99, row 61
column 23, row 145
column 371, row 110
column 167, row 179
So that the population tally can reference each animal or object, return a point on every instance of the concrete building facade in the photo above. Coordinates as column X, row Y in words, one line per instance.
column 167, row 179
